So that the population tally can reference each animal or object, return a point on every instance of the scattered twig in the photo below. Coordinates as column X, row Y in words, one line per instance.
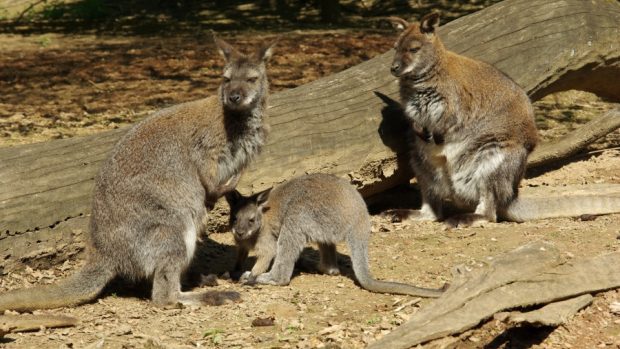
column 30, row 7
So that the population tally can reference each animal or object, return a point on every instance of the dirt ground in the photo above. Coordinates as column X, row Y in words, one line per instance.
column 54, row 86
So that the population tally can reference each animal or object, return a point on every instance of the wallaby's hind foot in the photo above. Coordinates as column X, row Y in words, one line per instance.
column 466, row 220
column 246, row 278
column 329, row 260
column 269, row 279
column 403, row 215
column 166, row 285
column 213, row 298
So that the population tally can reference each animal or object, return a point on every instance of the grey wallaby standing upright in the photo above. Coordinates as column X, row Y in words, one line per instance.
column 151, row 193
column 482, row 130
column 319, row 208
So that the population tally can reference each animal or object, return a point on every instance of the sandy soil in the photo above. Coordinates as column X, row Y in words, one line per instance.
column 56, row 86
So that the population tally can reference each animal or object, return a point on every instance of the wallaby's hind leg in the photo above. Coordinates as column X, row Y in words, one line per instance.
column 486, row 211
column 497, row 187
column 290, row 245
column 433, row 190
column 431, row 210
column 167, row 286
column 329, row 260
column 167, row 282
column 173, row 257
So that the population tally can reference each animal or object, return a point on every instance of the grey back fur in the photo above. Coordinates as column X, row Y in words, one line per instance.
column 150, row 196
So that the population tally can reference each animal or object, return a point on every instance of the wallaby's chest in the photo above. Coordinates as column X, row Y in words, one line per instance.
column 425, row 108
column 239, row 152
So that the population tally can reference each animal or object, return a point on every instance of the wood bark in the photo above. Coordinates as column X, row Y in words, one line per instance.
column 335, row 124
column 553, row 314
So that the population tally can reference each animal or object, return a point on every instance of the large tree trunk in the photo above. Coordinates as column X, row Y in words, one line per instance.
column 336, row 124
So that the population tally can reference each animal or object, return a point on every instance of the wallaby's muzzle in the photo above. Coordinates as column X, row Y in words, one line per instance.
column 395, row 69
column 234, row 98
column 241, row 235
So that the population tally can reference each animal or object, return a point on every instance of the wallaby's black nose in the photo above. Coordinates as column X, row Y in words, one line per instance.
column 234, row 98
column 394, row 69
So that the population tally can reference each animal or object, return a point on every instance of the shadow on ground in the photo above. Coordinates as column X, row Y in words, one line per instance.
column 190, row 16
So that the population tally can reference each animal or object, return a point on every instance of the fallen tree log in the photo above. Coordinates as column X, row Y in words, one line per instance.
column 576, row 141
column 528, row 276
column 334, row 124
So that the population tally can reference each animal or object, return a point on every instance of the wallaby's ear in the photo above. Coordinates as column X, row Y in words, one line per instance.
column 429, row 23
column 262, row 199
column 398, row 23
column 266, row 50
column 225, row 49
column 233, row 198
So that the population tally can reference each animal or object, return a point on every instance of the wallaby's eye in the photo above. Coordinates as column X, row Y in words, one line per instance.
column 252, row 80
column 226, row 79
column 414, row 49
column 252, row 220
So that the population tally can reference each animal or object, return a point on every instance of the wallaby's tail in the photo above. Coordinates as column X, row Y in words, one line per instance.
column 77, row 289
column 526, row 209
column 359, row 257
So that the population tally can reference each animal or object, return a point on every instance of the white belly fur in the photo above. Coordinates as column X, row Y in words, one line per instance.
column 189, row 236
column 477, row 169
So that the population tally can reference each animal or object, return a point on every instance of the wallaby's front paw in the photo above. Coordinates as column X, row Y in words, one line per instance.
column 245, row 277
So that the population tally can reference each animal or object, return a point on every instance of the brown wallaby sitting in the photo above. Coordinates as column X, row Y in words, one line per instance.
column 150, row 195
column 319, row 208
column 482, row 130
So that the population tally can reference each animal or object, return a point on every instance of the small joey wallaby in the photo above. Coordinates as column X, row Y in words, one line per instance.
column 152, row 193
column 320, row 208
column 481, row 128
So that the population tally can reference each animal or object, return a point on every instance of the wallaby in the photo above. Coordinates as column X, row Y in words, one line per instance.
column 319, row 208
column 150, row 195
column 481, row 128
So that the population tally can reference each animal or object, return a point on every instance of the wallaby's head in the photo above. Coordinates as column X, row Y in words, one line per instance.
column 244, row 81
column 417, row 47
column 246, row 212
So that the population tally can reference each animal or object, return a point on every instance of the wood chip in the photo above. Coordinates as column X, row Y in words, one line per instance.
column 330, row 329
column 406, row 304
column 267, row 321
